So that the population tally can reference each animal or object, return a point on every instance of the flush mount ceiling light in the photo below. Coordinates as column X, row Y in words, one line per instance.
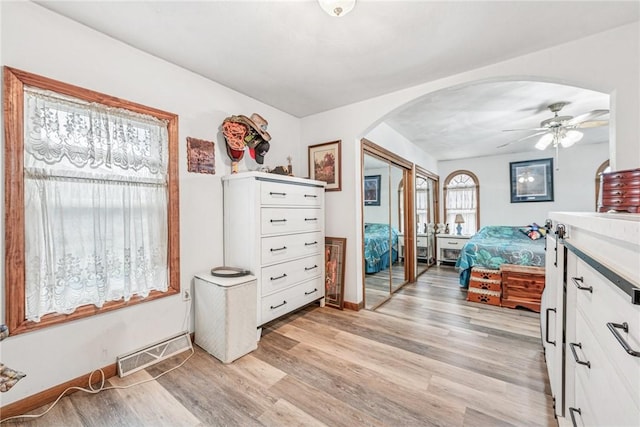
column 337, row 8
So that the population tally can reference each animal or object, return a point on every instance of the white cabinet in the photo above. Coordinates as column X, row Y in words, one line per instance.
column 552, row 318
column 601, row 381
column 274, row 227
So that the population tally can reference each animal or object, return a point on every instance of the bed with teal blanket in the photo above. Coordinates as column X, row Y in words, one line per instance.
column 379, row 250
column 495, row 245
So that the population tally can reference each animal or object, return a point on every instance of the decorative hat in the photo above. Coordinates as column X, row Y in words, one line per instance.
column 260, row 151
column 258, row 123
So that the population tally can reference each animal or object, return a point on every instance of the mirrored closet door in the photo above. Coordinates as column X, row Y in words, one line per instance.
column 384, row 214
column 426, row 205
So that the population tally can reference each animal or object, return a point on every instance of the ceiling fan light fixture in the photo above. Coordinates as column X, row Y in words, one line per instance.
column 571, row 138
column 337, row 8
column 544, row 141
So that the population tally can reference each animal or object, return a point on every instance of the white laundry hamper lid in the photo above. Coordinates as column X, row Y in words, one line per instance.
column 220, row 279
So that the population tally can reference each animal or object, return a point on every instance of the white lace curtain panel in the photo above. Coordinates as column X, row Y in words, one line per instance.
column 462, row 200
column 95, row 204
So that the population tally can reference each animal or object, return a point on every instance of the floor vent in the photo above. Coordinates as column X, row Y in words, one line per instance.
column 147, row 356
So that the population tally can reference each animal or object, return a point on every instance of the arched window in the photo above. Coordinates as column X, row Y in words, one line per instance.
column 462, row 196
column 604, row 167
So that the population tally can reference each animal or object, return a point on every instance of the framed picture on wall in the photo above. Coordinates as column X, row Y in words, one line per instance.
column 334, row 248
column 372, row 190
column 325, row 164
column 532, row 181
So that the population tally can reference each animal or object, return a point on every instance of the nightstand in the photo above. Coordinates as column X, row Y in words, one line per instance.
column 449, row 247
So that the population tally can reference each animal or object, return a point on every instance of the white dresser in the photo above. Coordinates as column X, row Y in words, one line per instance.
column 591, row 314
column 274, row 227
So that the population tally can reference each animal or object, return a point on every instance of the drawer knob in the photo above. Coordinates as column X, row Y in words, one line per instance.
column 575, row 281
column 311, row 195
column 278, row 249
column 573, row 346
column 311, row 219
column 274, row 193
column 279, row 277
column 311, row 244
column 311, row 292
column 310, row 268
column 613, row 327
column 279, row 305
column 277, row 220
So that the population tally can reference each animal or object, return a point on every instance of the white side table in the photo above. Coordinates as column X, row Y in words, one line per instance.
column 449, row 246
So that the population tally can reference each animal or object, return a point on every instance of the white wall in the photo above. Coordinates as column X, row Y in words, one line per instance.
column 41, row 42
column 607, row 62
column 574, row 183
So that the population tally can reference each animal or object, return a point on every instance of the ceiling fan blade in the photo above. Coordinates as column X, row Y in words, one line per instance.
column 522, row 139
column 591, row 124
column 520, row 130
column 587, row 116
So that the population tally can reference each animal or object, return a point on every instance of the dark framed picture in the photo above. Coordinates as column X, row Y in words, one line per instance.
column 334, row 249
column 325, row 162
column 372, row 190
column 532, row 181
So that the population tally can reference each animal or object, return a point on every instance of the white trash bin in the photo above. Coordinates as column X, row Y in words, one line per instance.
column 225, row 315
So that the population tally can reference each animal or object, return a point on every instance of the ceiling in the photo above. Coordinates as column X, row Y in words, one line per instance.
column 294, row 57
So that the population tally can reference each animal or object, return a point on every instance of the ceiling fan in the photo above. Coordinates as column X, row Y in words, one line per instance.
column 561, row 130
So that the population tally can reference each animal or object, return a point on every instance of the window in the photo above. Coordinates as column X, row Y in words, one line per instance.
column 604, row 168
column 91, row 201
column 461, row 196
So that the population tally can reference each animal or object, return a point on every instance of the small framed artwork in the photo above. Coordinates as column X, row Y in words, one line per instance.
column 325, row 163
column 372, row 190
column 201, row 156
column 334, row 249
column 532, row 181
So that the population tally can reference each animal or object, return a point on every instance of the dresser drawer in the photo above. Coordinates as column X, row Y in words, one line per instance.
column 276, row 193
column 629, row 192
column 451, row 243
column 283, row 275
column 609, row 402
column 422, row 241
column 287, row 220
column 283, row 248
column 604, row 304
column 289, row 299
column 630, row 174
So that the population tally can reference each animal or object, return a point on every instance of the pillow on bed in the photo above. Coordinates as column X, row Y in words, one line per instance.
column 534, row 231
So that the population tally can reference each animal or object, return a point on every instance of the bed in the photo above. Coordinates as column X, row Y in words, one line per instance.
column 376, row 247
column 495, row 245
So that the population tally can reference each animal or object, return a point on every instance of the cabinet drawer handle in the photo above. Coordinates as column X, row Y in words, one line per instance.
column 625, row 327
column 274, row 193
column 273, row 307
column 573, row 417
column 311, row 244
column 278, row 220
column 311, row 195
column 279, row 277
column 573, row 346
column 580, row 279
column 453, row 243
column 312, row 292
column 310, row 268
column 278, row 249
column 546, row 338
column 311, row 219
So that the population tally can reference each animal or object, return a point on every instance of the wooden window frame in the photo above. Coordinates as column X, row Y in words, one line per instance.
column 477, row 185
column 14, row 82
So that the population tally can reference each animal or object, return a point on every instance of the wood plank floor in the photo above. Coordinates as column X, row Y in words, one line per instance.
column 426, row 357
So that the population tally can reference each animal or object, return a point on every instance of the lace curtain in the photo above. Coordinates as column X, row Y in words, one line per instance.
column 95, row 204
column 462, row 200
